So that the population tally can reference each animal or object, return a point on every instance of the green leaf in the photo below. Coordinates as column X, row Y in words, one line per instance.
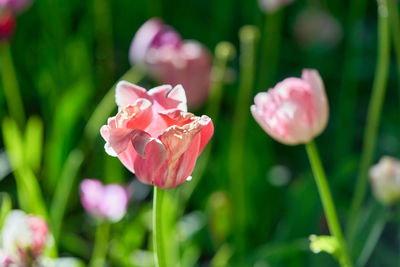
column 324, row 243
column 34, row 142
column 6, row 206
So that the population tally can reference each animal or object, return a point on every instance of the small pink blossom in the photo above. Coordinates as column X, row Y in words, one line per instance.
column 295, row 110
column 7, row 26
column 173, row 61
column 154, row 136
column 104, row 201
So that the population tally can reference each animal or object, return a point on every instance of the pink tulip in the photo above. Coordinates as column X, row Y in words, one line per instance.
column 104, row 201
column 154, row 136
column 173, row 61
column 7, row 26
column 154, row 33
column 189, row 65
column 273, row 5
column 16, row 6
column 295, row 110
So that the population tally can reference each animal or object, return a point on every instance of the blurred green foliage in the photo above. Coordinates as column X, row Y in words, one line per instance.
column 65, row 64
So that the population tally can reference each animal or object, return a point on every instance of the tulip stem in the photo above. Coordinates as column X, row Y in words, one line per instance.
column 271, row 48
column 395, row 27
column 10, row 85
column 158, row 241
column 224, row 53
column 100, row 244
column 327, row 202
column 373, row 116
column 248, row 36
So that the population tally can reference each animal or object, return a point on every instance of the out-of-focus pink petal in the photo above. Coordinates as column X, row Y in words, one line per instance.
column 91, row 192
column 7, row 25
column 143, row 39
column 320, row 100
column 114, row 202
column 40, row 232
column 147, row 167
column 127, row 93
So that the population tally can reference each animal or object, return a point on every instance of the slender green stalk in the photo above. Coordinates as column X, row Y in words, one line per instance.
column 373, row 117
column 272, row 36
column 63, row 190
column 350, row 80
column 158, row 240
column 100, row 245
column 248, row 36
column 224, row 53
column 10, row 85
column 104, row 41
column 394, row 21
column 327, row 202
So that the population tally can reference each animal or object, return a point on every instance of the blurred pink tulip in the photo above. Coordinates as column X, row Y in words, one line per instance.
column 154, row 136
column 16, row 6
column 173, row 61
column 23, row 238
column 188, row 65
column 7, row 26
column 295, row 110
column 272, row 5
column 104, row 201
column 152, row 34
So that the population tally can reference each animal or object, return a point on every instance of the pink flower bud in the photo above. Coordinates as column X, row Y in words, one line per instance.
column 385, row 180
column 295, row 110
column 23, row 236
column 7, row 26
column 16, row 6
column 104, row 201
column 273, row 5
column 154, row 136
column 153, row 33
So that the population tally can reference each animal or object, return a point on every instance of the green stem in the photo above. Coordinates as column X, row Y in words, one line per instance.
column 10, row 85
column 224, row 53
column 104, row 39
column 271, row 48
column 327, row 202
column 395, row 27
column 158, row 241
column 350, row 80
column 63, row 191
column 373, row 116
column 248, row 36
column 100, row 245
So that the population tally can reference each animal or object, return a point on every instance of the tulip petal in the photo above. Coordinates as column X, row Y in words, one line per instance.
column 168, row 97
column 148, row 165
column 127, row 93
column 183, row 145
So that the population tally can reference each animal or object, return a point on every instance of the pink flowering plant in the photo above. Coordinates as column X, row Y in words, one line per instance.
column 295, row 161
